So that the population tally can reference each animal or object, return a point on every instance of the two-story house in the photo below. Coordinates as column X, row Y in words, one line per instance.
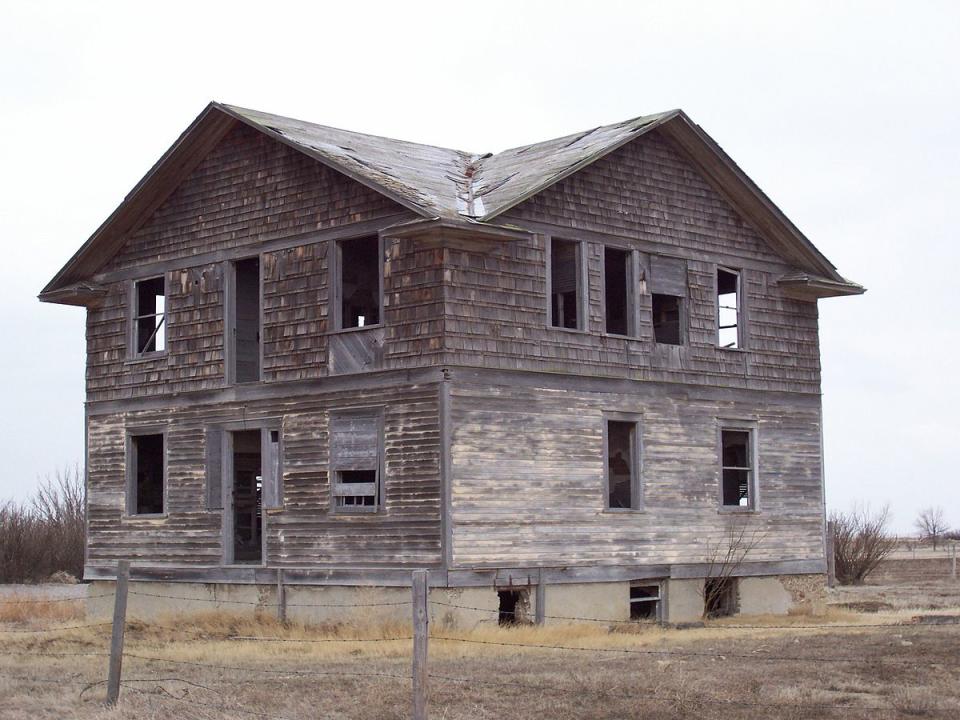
column 558, row 376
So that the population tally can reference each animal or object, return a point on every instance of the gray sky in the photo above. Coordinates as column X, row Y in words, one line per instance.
column 846, row 114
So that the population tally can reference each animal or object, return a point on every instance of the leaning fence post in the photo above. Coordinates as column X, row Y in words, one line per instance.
column 831, row 557
column 119, row 625
column 420, row 633
column 281, row 597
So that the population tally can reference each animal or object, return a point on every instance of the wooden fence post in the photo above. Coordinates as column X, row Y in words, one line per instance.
column 420, row 632
column 831, row 557
column 119, row 625
column 281, row 597
column 953, row 561
column 540, row 612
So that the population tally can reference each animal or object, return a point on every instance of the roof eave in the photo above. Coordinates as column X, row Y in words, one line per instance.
column 812, row 287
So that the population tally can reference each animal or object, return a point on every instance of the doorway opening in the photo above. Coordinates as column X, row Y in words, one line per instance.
column 247, row 497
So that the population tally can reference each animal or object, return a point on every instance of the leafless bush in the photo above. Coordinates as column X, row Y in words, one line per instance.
column 723, row 561
column 932, row 525
column 44, row 535
column 860, row 542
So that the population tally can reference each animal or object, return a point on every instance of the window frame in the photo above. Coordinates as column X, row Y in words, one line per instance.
column 741, row 307
column 130, row 470
column 753, row 483
column 633, row 289
column 583, row 290
column 379, row 505
column 636, row 455
column 659, row 600
column 335, row 310
column 230, row 317
column 682, row 320
column 133, row 329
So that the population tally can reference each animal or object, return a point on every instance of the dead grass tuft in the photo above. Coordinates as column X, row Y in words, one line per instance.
column 31, row 610
column 916, row 702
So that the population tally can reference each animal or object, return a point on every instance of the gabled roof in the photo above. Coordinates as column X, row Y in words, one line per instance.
column 440, row 184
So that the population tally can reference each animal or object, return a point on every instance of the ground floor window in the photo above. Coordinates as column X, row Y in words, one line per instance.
column 644, row 601
column 146, row 474
column 514, row 607
column 720, row 597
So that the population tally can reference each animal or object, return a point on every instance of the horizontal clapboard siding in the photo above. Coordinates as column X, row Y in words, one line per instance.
column 527, row 475
column 303, row 533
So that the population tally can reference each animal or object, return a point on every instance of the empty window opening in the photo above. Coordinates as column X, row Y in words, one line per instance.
column 565, row 291
column 621, row 464
column 150, row 319
column 358, row 488
column 644, row 602
column 728, row 309
column 719, row 597
column 667, row 314
column 359, row 282
column 514, row 607
column 247, row 497
column 147, row 458
column 355, row 446
column 617, row 295
column 246, row 320
column 737, row 468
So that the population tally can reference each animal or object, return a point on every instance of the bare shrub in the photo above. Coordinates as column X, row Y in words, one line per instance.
column 932, row 525
column 860, row 542
column 44, row 535
column 723, row 561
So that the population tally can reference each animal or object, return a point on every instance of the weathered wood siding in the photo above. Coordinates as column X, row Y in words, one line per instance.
column 303, row 533
column 527, row 483
column 648, row 197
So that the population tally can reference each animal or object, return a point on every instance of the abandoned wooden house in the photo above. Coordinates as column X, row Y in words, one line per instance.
column 556, row 377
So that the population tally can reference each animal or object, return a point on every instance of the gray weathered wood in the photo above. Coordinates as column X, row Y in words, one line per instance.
column 831, row 556
column 281, row 597
column 214, row 468
column 541, row 603
column 421, row 619
column 119, row 626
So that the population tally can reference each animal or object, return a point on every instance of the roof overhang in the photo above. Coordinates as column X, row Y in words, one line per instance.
column 804, row 286
column 467, row 233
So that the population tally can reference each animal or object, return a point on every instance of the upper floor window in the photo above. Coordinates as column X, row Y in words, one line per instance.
column 244, row 321
column 622, row 470
column 357, row 285
column 738, row 474
column 149, row 331
column 729, row 309
column 356, row 460
column 668, row 289
column 566, row 284
column 618, row 291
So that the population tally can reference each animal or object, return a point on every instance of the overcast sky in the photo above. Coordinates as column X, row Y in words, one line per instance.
column 846, row 114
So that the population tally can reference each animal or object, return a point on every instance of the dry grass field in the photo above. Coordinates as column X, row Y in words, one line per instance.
column 845, row 664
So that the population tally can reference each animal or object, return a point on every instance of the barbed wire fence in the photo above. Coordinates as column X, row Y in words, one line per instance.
column 420, row 675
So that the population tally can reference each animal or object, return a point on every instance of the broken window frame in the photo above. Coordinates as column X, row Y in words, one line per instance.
column 636, row 461
column 753, row 472
column 336, row 284
column 580, row 274
column 336, row 466
column 739, row 326
column 657, row 600
column 136, row 317
column 631, row 289
column 681, row 319
column 230, row 324
column 130, row 481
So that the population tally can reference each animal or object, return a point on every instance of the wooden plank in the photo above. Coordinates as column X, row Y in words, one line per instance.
column 117, row 634
column 421, row 619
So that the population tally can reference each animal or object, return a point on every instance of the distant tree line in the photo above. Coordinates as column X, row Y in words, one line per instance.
column 43, row 538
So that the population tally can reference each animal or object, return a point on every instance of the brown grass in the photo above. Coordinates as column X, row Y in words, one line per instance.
column 778, row 669
column 34, row 610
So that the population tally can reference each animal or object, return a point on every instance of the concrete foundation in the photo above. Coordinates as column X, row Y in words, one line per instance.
column 467, row 607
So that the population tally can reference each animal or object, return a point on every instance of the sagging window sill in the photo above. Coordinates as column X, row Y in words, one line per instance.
column 732, row 510
column 147, row 358
column 341, row 331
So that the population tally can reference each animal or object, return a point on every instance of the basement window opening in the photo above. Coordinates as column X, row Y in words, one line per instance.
column 737, row 468
column 150, row 316
column 565, row 285
column 359, row 282
column 146, row 474
column 667, row 314
column 617, row 295
column 720, row 597
column 728, row 309
column 644, row 602
column 514, row 607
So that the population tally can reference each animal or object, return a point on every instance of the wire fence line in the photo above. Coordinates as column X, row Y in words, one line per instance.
column 165, row 670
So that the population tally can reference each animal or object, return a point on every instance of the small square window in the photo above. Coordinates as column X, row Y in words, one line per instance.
column 644, row 602
column 149, row 316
